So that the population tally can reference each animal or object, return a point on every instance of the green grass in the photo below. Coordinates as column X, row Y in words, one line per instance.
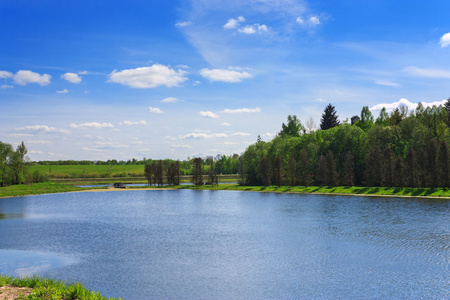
column 36, row 189
column 377, row 191
column 44, row 288
column 88, row 171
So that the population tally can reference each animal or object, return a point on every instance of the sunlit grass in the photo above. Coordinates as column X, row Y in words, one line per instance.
column 45, row 288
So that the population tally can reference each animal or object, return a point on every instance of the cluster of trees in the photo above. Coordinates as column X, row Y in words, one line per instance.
column 399, row 149
column 155, row 173
column 13, row 166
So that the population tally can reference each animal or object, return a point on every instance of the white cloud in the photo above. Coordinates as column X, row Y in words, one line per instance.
column 241, row 110
column 387, row 83
column 314, row 20
column 183, row 24
column 252, row 29
column 149, row 77
column 91, row 149
column 71, row 77
column 21, row 135
column 208, row 114
column 170, row 100
column 224, row 75
column 109, row 145
column 64, row 91
column 431, row 73
column 5, row 74
column 35, row 152
column 445, row 40
column 182, row 146
column 196, row 83
column 24, row 77
column 155, row 110
column 201, row 135
column 240, row 134
column 6, row 86
column 405, row 102
column 83, row 72
column 92, row 125
column 42, row 128
column 38, row 142
column 225, row 124
column 233, row 23
column 129, row 123
column 311, row 21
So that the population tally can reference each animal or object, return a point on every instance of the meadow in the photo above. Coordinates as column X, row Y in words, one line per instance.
column 88, row 171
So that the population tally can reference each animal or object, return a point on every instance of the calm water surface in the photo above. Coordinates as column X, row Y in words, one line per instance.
column 229, row 245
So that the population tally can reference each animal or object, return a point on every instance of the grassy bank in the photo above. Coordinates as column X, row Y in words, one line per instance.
column 380, row 191
column 37, row 189
column 43, row 288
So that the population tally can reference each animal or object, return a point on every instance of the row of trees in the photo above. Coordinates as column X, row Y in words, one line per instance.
column 155, row 173
column 396, row 149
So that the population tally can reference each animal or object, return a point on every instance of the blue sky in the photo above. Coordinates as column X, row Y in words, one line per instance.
column 175, row 79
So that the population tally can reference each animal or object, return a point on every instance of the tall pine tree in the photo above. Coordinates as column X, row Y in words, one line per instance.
column 329, row 118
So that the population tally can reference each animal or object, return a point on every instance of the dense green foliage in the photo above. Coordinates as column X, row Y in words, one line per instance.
column 396, row 149
column 13, row 167
column 44, row 288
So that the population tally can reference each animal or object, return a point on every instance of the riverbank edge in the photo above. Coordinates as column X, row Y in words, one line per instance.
column 287, row 190
column 426, row 193
column 36, row 287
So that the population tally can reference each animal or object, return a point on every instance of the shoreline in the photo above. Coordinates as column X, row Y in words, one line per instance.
column 264, row 191
column 316, row 190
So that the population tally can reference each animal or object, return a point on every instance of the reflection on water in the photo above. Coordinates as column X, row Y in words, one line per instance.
column 226, row 245
column 28, row 263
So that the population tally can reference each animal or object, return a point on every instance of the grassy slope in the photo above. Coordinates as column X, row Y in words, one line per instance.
column 36, row 189
column 44, row 288
column 51, row 187
column 417, row 192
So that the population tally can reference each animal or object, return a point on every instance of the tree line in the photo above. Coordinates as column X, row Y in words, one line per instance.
column 397, row 149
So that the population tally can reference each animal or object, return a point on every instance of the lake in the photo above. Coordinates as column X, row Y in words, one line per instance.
column 187, row 244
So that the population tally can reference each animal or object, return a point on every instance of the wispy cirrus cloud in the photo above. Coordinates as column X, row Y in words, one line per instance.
column 225, row 75
column 64, row 91
column 425, row 72
column 149, row 77
column 92, row 125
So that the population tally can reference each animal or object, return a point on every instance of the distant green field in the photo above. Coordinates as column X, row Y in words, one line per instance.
column 89, row 171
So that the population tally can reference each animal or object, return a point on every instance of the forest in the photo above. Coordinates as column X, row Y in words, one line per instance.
column 397, row 149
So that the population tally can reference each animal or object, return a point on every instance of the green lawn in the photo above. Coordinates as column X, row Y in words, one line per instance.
column 36, row 189
column 88, row 171
column 381, row 191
